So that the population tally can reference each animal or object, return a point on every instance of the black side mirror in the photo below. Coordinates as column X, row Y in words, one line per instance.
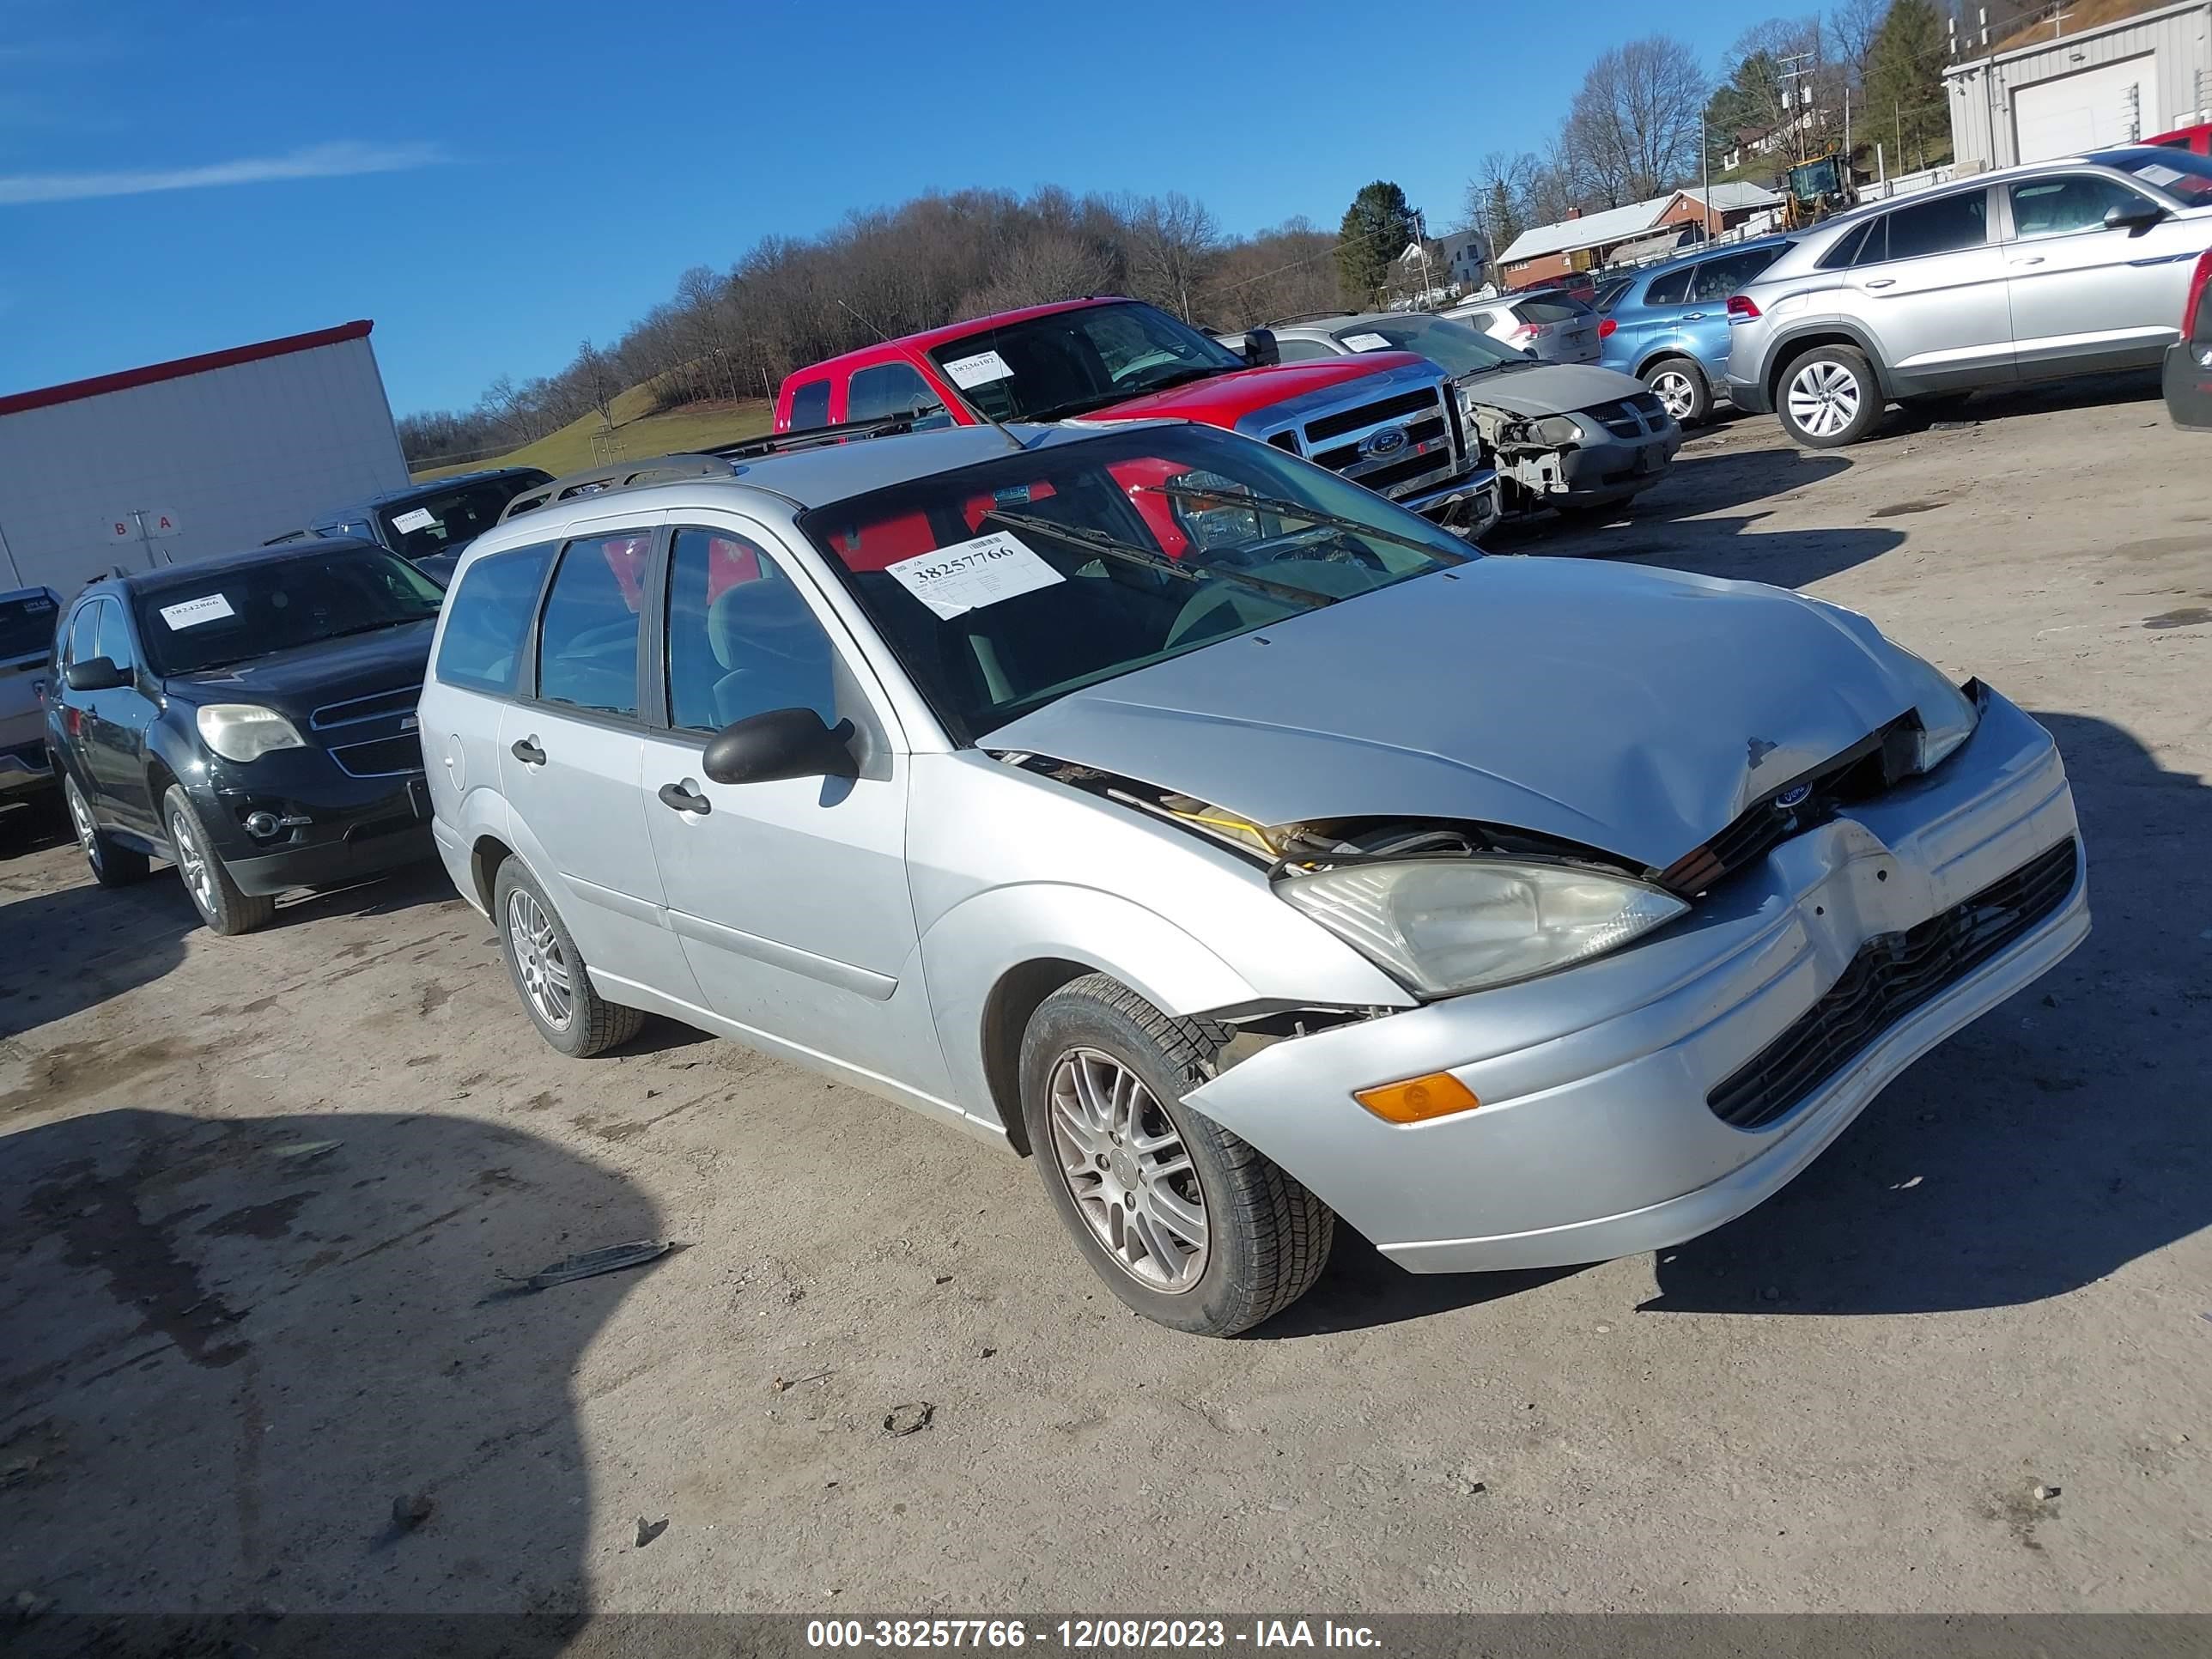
column 1261, row 351
column 783, row 742
column 94, row 674
column 2134, row 215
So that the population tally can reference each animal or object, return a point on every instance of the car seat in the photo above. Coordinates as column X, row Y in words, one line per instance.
column 772, row 651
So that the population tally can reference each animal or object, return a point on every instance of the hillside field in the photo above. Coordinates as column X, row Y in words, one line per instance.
column 639, row 432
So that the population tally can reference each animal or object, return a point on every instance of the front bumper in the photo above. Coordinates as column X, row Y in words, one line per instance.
column 1614, row 468
column 331, row 826
column 1468, row 504
column 1594, row 1139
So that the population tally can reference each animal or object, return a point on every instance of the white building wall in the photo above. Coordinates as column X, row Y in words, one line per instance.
column 1984, row 122
column 237, row 454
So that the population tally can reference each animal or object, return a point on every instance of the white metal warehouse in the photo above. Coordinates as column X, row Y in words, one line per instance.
column 2111, row 84
column 183, row 460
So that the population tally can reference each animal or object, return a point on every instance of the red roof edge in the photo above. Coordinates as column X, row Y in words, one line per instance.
column 124, row 379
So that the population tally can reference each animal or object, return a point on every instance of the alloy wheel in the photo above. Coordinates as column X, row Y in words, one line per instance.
column 192, row 863
column 1823, row 398
column 80, row 814
column 539, row 961
column 1128, row 1171
column 1672, row 388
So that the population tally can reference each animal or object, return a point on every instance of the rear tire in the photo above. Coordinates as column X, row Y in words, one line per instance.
column 111, row 863
column 226, row 907
column 1829, row 397
column 549, row 972
column 1679, row 384
column 1186, row 1223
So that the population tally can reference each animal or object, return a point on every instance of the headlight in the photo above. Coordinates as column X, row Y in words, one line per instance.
column 1557, row 430
column 1447, row 924
column 1947, row 715
column 245, row 731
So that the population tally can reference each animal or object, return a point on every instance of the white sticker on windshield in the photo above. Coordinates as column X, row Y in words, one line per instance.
column 983, row 369
column 420, row 518
column 2158, row 173
column 969, row 574
column 193, row 613
column 1368, row 342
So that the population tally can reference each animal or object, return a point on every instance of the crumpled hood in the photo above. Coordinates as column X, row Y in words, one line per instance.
column 1635, row 711
column 1550, row 388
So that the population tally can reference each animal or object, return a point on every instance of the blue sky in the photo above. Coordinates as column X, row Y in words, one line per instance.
column 493, row 183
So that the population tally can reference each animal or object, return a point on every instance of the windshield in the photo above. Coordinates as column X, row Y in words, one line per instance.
column 1454, row 347
column 26, row 626
column 248, row 611
column 1004, row 586
column 1049, row 368
column 422, row 526
column 2185, row 177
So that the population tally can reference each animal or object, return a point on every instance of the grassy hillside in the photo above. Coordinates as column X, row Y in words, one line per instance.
column 639, row 432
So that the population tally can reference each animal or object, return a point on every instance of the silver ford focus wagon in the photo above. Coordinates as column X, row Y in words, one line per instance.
column 1248, row 852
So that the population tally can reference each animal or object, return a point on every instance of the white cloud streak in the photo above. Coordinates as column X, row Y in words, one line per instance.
column 332, row 160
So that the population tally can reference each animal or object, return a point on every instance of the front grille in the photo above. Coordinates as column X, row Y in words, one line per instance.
column 1639, row 417
column 1417, row 433
column 380, row 757
column 1395, row 476
column 396, row 703
column 1875, row 763
column 1350, row 420
column 1892, row 975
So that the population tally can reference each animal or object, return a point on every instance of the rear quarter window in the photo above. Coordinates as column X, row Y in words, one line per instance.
column 809, row 405
column 488, row 617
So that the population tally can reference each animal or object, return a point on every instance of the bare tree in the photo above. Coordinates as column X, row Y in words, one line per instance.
column 1174, row 237
column 1852, row 27
column 1634, row 127
column 598, row 383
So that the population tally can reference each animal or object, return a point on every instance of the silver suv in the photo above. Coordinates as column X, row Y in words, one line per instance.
column 1246, row 847
column 2068, row 267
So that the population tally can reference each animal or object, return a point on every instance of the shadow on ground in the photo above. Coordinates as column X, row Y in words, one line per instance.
column 2056, row 1139
column 231, row 1348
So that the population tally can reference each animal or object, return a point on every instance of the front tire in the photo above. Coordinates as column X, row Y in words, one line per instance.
column 1185, row 1222
column 226, row 907
column 1829, row 398
column 549, row 972
column 1681, row 385
column 111, row 863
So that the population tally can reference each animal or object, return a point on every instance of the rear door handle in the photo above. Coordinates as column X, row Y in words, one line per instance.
column 526, row 750
column 679, row 796
column 2037, row 260
column 1883, row 282
column 1693, row 316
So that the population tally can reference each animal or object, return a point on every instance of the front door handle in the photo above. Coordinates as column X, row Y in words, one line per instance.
column 679, row 796
column 2037, row 260
column 1883, row 282
column 526, row 750
column 1693, row 316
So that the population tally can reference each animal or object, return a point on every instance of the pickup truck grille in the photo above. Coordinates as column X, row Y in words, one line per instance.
column 374, row 736
column 1424, row 454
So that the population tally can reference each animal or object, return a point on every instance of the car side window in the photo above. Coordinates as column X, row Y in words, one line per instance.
column 1670, row 288
column 809, row 406
column 881, row 390
column 488, row 619
column 2078, row 201
column 83, row 627
column 1942, row 226
column 1303, row 351
column 113, row 640
column 587, row 641
column 1717, row 279
column 742, row 639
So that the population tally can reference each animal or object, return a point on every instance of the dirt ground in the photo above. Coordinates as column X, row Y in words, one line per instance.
column 225, row 1350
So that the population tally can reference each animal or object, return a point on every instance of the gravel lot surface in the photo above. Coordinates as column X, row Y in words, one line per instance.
column 227, row 1350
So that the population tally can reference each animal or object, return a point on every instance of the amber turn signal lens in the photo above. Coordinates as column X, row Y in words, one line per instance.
column 1417, row 1099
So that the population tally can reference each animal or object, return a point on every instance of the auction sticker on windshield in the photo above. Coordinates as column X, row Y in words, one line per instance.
column 968, row 574
column 1368, row 342
column 420, row 518
column 981, row 369
column 193, row 613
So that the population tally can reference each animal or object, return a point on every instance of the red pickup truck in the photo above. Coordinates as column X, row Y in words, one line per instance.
column 1388, row 420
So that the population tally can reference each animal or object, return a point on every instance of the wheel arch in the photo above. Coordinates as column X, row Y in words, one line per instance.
column 1007, row 1010
column 1659, row 355
column 486, row 854
column 1813, row 336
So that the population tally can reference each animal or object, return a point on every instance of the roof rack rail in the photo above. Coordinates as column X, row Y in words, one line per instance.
column 812, row 437
column 1310, row 317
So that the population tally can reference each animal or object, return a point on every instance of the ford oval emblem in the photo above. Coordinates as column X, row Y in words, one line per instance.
column 1388, row 441
column 1792, row 797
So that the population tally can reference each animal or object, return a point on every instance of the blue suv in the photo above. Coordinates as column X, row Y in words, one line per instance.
column 1668, row 326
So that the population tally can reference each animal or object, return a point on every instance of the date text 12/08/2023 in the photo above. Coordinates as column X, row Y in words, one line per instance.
column 1087, row 1635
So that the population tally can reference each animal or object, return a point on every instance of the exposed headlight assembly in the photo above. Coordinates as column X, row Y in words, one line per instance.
column 245, row 731
column 1948, row 714
column 1443, row 925
column 1560, row 431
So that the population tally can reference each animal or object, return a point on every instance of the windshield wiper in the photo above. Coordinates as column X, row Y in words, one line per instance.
column 1284, row 509
column 1112, row 547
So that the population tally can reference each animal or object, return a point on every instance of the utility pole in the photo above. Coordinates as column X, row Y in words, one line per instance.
column 1791, row 75
column 1847, row 134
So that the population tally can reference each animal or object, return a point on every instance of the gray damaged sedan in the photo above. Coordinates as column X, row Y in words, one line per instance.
column 1246, row 851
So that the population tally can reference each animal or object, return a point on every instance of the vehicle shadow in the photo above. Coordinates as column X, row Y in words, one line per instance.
column 1696, row 483
column 2133, row 385
column 96, row 943
column 2051, row 1143
column 236, row 1342
column 1731, row 548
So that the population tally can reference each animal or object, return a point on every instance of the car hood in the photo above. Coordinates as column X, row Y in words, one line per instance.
column 1549, row 388
column 296, row 682
column 1227, row 398
column 1634, row 711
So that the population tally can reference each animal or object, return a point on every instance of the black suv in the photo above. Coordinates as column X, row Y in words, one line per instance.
column 251, row 718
